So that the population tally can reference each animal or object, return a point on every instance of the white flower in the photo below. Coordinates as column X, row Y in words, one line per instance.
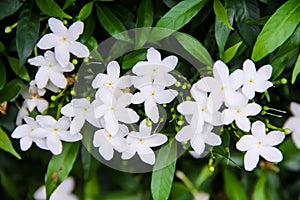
column 36, row 102
column 112, row 80
column 108, row 142
column 293, row 123
column 23, row 111
column 63, row 191
column 27, row 134
column 51, row 70
column 64, row 41
column 33, row 89
column 141, row 143
column 198, row 136
column 156, row 68
column 255, row 81
column 222, row 87
column 152, row 94
column 80, row 110
column 114, row 110
column 260, row 144
column 240, row 113
column 56, row 131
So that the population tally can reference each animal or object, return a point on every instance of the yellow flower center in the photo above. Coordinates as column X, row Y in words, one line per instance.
column 85, row 109
column 222, row 88
column 55, row 130
column 109, row 136
column 64, row 39
column 260, row 142
column 251, row 80
column 154, row 70
column 202, row 109
column 50, row 66
column 109, row 84
column 152, row 94
column 238, row 111
column 112, row 108
column 140, row 140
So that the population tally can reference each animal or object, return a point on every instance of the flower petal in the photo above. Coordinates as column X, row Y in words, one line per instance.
column 99, row 80
column 58, row 79
column 57, row 26
column 68, row 110
column 258, row 129
column 248, row 91
column 113, row 71
column 151, row 110
column 296, row 138
column 111, row 123
column 106, row 151
column 198, row 144
column 146, row 154
column 127, row 115
column 75, row 30
column 246, row 143
column 295, row 108
column 25, row 143
column 66, row 186
column 265, row 72
column 62, row 54
column 37, row 61
column 54, row 144
column 206, row 84
column 153, row 56
column 251, row 159
column 187, row 107
column 124, row 82
column 79, row 50
column 185, row 134
column 243, row 123
column 252, row 109
column 220, row 71
column 42, row 105
column 170, row 62
column 42, row 77
column 156, row 140
column 46, row 121
column 236, row 79
column 40, row 193
column 292, row 123
column 165, row 96
column 67, row 137
column 137, row 98
column 228, row 116
column 48, row 41
column 274, row 138
column 271, row 154
column 263, row 86
column 212, row 139
column 249, row 68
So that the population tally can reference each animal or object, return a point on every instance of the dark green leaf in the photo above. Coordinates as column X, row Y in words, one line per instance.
column 11, row 90
column 231, row 52
column 68, row 3
column 111, row 23
column 145, row 14
column 260, row 188
column 89, row 164
column 163, row 172
column 2, row 74
column 85, row 11
column 283, row 22
column 2, row 47
column 6, row 145
column 50, row 8
column 9, row 7
column 177, row 17
column 27, row 32
column 21, row 72
column 233, row 187
column 221, row 13
column 296, row 70
column 91, row 43
column 129, row 60
column 195, row 48
column 89, row 28
column 60, row 166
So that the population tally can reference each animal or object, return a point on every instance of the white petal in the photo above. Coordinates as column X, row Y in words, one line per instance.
column 156, row 140
column 296, row 138
column 243, row 123
column 67, row 137
column 113, row 71
column 185, row 134
column 54, row 144
column 197, row 94
column 197, row 144
column 75, row 30
column 249, row 67
column 48, row 41
column 42, row 77
column 66, row 186
column 258, row 129
column 31, row 104
column 123, row 100
column 42, row 105
column 76, row 124
column 246, row 143
column 137, row 98
column 233, row 98
column 99, row 138
column 252, row 109
column 228, row 116
column 295, row 108
column 57, row 26
column 46, row 121
column 99, row 80
column 151, row 111
column 124, row 82
column 165, row 96
column 221, row 71
column 68, row 110
column 127, row 116
column 214, row 101
column 25, row 143
column 206, row 84
column 187, row 107
column 41, row 143
column 147, row 155
column 79, row 50
column 37, row 61
column 213, row 139
column 292, row 123
column 263, row 86
column 58, row 79
column 62, row 54
column 248, row 91
column 106, row 151
column 40, row 193
column 142, row 68
column 265, row 72
column 111, row 123
column 170, row 62
column 251, row 159
column 237, row 79
column 101, row 110
column 274, row 138
column 271, row 154
column 153, row 56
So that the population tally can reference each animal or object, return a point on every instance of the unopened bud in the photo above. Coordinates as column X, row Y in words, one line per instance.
column 74, row 61
column 283, row 81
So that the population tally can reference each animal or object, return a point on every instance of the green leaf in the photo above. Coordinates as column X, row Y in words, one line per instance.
column 177, row 17
column 89, row 164
column 11, row 90
column 60, row 166
column 2, row 74
column 260, row 188
column 6, row 145
column 2, row 47
column 21, row 72
column 296, row 70
column 89, row 28
column 68, row 3
column 163, row 172
column 277, row 30
column 221, row 13
column 111, row 23
column 27, row 32
column 195, row 48
column 145, row 14
column 233, row 187
column 9, row 7
column 130, row 59
column 50, row 8
column 85, row 11
column 231, row 51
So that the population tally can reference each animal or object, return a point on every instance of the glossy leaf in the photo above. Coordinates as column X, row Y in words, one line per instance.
column 2, row 47
column 6, row 145
column 277, row 30
column 296, row 70
column 130, row 59
column 89, row 28
column 85, row 11
column 195, row 48
column 2, row 74
column 111, row 23
column 145, row 14
column 163, row 172
column 231, row 52
column 21, row 72
column 177, row 17
column 50, row 8
column 27, row 32
column 9, row 7
column 221, row 13
column 60, row 166
column 233, row 187
column 11, row 90
column 260, row 188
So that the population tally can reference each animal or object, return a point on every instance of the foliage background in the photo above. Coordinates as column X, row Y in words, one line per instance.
column 229, row 30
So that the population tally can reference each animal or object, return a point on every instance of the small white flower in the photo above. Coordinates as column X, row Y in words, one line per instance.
column 255, row 81
column 222, row 86
column 33, row 89
column 198, row 136
column 63, row 191
column 64, row 41
column 56, row 131
column 51, row 70
column 23, row 111
column 141, row 143
column 27, row 134
column 36, row 102
column 293, row 123
column 156, row 68
column 152, row 94
column 112, row 80
column 114, row 110
column 260, row 144
column 80, row 110
column 108, row 142
column 240, row 113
